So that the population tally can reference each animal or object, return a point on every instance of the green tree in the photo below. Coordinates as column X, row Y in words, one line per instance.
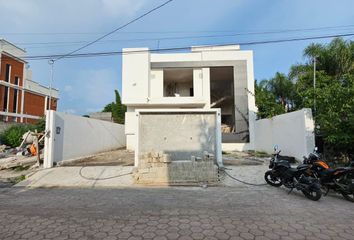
column 334, row 92
column 266, row 101
column 117, row 109
column 283, row 90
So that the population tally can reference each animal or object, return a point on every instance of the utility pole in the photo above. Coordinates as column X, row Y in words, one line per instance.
column 314, row 85
column 51, row 63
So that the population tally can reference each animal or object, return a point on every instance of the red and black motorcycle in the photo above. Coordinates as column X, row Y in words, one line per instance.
column 282, row 173
column 341, row 179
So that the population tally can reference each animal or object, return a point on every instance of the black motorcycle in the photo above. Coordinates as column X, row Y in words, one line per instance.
column 341, row 180
column 282, row 173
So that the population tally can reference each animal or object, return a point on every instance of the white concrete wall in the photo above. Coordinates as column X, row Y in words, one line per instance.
column 72, row 137
column 135, row 75
column 292, row 132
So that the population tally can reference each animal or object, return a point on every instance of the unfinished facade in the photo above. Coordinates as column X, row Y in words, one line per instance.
column 205, row 78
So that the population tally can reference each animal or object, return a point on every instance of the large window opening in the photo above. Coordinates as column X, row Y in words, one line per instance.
column 7, row 73
column 222, row 96
column 178, row 82
column 15, row 96
column 6, row 92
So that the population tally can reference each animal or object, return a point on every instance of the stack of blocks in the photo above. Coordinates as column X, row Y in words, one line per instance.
column 157, row 168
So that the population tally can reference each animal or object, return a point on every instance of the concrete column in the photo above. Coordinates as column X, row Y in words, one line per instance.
column 22, row 103
column 206, row 87
column 49, row 140
column 45, row 104
column 241, row 101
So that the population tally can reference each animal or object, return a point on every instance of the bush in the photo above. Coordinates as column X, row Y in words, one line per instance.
column 13, row 135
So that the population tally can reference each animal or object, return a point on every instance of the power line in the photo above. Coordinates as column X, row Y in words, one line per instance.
column 182, row 37
column 171, row 32
column 101, row 54
column 115, row 30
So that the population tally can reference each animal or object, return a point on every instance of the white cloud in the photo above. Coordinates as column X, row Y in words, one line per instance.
column 93, row 110
column 117, row 7
column 91, row 90
column 68, row 88
column 70, row 111
column 98, row 87
column 64, row 15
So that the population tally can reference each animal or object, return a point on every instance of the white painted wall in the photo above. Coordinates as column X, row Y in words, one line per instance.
column 72, row 137
column 292, row 132
column 136, row 75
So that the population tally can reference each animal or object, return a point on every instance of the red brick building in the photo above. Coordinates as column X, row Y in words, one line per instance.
column 21, row 99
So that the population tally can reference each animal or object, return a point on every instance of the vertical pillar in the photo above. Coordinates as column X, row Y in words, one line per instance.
column 206, row 87
column 46, row 104
column 49, row 140
column 241, row 102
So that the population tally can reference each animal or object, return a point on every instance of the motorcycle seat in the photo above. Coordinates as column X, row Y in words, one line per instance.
column 293, row 169
column 302, row 167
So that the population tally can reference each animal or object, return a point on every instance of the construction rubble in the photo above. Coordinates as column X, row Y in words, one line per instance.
column 28, row 154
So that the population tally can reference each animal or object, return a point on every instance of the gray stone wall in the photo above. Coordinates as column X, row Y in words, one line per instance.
column 180, row 135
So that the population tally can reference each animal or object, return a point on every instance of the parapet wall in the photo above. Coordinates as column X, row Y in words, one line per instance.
column 293, row 132
column 73, row 137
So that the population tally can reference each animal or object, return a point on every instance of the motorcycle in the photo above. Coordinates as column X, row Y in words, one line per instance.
column 282, row 173
column 341, row 179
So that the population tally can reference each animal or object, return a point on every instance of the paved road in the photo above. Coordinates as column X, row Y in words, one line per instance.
column 172, row 213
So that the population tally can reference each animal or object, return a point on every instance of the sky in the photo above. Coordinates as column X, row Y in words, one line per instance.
column 87, row 84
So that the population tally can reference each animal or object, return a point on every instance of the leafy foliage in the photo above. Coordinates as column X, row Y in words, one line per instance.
column 266, row 102
column 13, row 135
column 333, row 95
column 117, row 109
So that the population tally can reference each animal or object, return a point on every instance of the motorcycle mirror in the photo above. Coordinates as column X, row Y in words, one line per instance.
column 275, row 148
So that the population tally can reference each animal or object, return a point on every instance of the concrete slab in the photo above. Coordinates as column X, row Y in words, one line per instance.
column 250, row 174
column 81, row 177
column 119, row 176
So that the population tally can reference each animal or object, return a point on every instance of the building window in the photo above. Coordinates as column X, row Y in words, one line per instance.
column 6, row 89
column 7, row 73
column 17, row 80
column 6, row 93
column 178, row 82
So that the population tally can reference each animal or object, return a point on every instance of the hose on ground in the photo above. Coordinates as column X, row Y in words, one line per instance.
column 99, row 179
column 241, row 181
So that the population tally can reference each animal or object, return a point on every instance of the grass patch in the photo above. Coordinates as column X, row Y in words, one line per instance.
column 18, row 179
column 21, row 168
column 258, row 154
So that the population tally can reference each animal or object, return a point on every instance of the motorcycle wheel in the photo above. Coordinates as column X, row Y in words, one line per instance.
column 324, row 190
column 349, row 197
column 350, row 184
column 272, row 180
column 313, row 195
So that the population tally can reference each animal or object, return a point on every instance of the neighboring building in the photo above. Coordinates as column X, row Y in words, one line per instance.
column 104, row 116
column 205, row 78
column 21, row 99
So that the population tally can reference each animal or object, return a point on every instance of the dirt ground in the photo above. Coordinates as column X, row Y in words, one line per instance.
column 9, row 177
column 112, row 158
column 244, row 158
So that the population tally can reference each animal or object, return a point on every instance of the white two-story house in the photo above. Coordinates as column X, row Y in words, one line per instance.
column 204, row 78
